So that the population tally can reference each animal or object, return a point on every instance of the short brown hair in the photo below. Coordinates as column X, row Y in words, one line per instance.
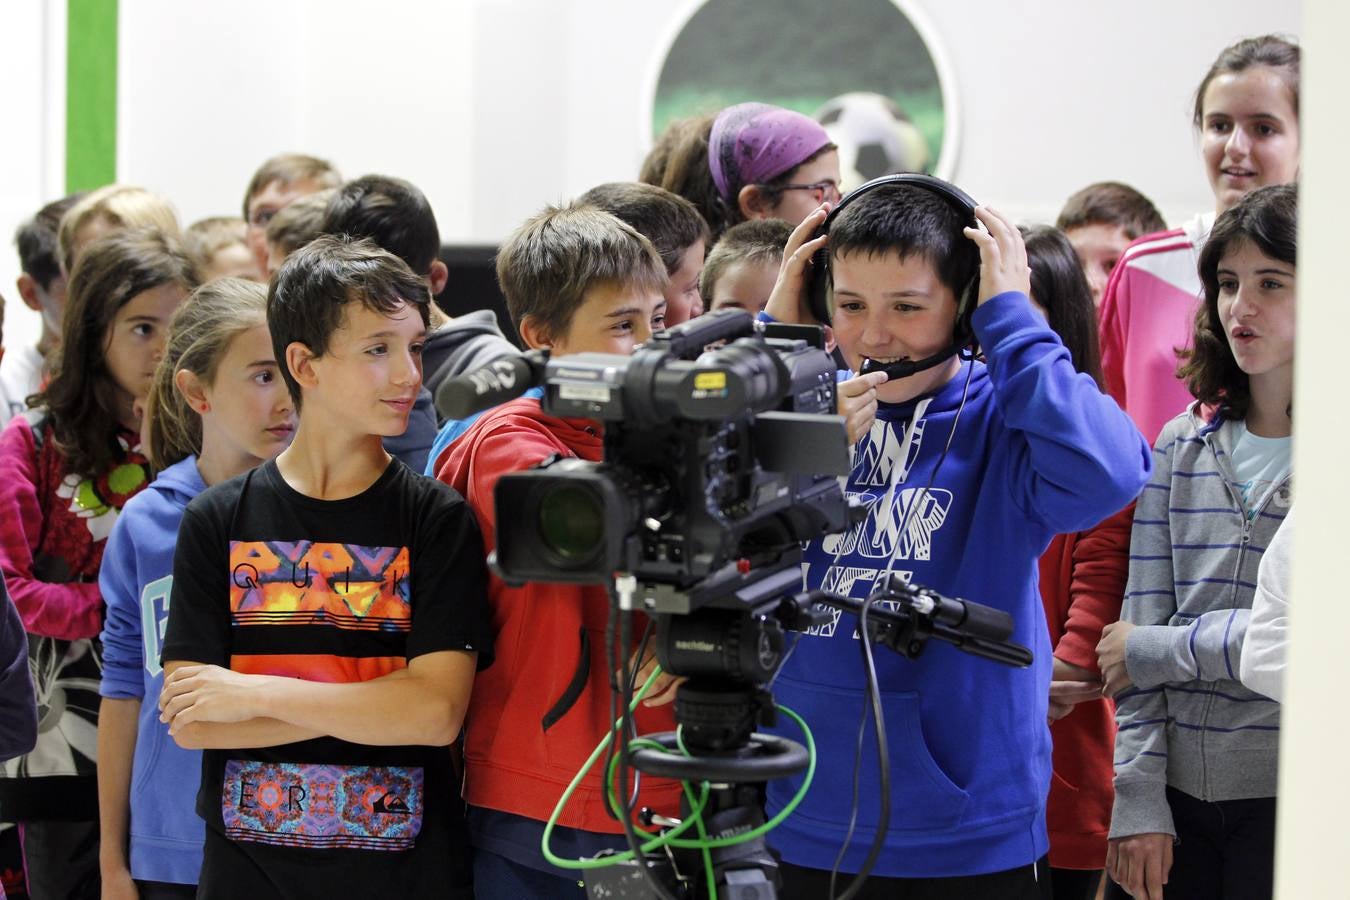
column 123, row 206
column 308, row 298
column 36, row 239
column 1111, row 203
column 392, row 212
column 205, row 238
column 669, row 221
column 548, row 264
column 289, row 168
column 757, row 241
column 298, row 223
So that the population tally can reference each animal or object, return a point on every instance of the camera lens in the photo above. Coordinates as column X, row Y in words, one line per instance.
column 571, row 522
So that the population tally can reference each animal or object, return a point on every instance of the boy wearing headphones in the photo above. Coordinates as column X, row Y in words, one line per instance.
column 967, row 468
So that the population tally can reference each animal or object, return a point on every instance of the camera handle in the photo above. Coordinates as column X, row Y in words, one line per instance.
column 905, row 617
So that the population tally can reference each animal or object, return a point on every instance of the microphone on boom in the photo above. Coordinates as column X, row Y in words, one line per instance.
column 494, row 384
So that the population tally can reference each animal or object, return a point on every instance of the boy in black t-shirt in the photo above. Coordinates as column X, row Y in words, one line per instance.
column 328, row 612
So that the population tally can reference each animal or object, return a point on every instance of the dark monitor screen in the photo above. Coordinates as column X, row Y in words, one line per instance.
column 473, row 284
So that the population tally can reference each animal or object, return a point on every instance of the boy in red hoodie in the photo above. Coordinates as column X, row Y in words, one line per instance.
column 576, row 280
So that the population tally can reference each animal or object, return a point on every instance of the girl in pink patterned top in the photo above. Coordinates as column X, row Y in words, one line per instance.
column 66, row 468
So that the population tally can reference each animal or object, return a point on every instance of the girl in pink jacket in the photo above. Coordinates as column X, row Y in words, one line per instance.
column 1246, row 112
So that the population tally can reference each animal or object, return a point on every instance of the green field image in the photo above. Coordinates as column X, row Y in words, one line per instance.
column 798, row 54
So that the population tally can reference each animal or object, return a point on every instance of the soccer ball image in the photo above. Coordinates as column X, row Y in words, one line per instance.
column 874, row 137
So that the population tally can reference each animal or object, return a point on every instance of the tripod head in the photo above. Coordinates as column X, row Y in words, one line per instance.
column 730, row 646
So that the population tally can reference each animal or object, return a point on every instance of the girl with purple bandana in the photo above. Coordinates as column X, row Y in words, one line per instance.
column 750, row 161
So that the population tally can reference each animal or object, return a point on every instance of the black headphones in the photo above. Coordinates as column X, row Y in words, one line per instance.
column 819, row 288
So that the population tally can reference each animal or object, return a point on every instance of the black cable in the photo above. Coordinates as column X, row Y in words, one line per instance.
column 872, row 691
column 782, row 663
column 883, row 759
column 614, row 695
column 647, row 634
column 857, row 779
column 619, row 727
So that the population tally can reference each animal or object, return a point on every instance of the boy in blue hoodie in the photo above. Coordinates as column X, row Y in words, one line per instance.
column 968, row 469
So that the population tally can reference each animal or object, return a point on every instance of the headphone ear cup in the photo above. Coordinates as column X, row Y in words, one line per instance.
column 818, row 284
column 964, row 334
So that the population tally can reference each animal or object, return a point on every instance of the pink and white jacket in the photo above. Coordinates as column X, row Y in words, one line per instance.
column 1147, row 314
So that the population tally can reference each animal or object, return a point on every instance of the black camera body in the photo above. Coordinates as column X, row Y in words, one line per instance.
column 716, row 462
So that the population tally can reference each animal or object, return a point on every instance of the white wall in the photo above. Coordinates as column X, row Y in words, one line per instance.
column 496, row 107
column 1054, row 95
column 1314, row 793
column 32, row 142
column 207, row 92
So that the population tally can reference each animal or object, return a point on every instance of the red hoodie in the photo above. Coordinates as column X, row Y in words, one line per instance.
column 512, row 762
column 1082, row 587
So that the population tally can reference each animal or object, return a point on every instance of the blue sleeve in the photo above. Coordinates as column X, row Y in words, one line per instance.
column 18, row 708
column 123, row 653
column 448, row 434
column 1076, row 458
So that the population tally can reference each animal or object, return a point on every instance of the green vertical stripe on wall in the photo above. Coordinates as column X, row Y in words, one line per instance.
column 91, row 93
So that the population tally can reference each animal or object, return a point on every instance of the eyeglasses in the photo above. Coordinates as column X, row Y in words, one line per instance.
column 823, row 190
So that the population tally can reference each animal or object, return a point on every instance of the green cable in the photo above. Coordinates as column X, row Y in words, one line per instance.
column 705, row 850
column 696, row 807
column 654, row 844
column 694, row 818
column 782, row 813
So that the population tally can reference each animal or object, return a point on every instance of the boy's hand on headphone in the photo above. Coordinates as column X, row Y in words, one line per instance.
column 1003, row 255
column 857, row 403
column 788, row 302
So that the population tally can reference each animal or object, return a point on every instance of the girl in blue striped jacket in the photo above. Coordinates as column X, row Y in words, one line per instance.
column 1195, row 756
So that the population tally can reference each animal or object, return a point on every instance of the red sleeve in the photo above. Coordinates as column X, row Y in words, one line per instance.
column 1112, row 322
column 1101, row 562
column 63, row 611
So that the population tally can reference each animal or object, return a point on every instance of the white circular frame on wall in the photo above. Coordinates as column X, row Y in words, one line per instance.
column 945, row 168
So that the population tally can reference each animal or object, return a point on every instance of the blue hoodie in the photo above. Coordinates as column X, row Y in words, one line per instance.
column 1038, row 450
column 137, row 573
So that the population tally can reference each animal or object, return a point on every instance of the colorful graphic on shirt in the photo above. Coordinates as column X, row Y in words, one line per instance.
column 98, row 500
column 314, row 583
column 322, row 806
column 900, row 525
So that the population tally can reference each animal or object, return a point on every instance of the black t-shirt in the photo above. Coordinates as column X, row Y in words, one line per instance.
column 270, row 581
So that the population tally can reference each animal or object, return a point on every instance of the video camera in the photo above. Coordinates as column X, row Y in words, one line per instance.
column 715, row 461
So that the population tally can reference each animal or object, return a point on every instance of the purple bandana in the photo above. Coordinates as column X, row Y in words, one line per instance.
column 753, row 142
